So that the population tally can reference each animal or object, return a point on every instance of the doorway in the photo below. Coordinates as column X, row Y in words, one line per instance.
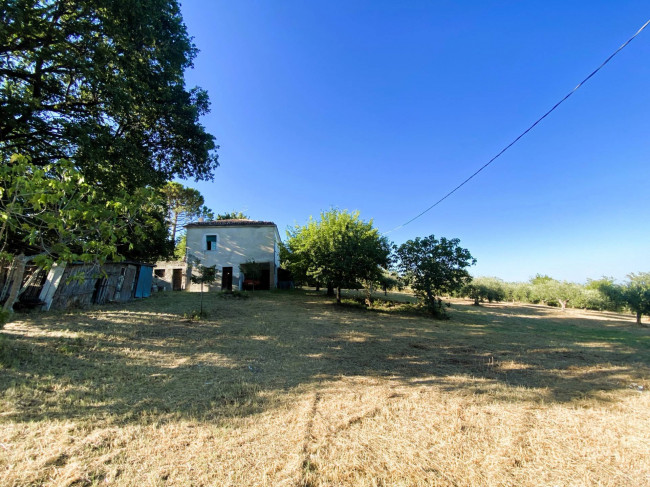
column 177, row 279
column 226, row 279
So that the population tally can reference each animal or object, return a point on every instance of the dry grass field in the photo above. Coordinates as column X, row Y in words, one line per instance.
column 288, row 389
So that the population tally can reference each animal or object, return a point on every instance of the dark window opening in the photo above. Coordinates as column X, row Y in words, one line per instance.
column 210, row 242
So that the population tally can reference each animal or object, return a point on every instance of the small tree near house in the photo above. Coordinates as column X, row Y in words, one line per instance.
column 206, row 275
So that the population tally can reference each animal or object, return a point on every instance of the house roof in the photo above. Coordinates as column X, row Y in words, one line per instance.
column 231, row 223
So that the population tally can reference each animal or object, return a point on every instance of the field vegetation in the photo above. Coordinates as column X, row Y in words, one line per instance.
column 289, row 388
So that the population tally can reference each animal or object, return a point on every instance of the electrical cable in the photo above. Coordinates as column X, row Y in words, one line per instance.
column 524, row 132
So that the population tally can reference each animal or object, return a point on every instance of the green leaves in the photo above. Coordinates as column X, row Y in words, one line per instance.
column 52, row 215
column 433, row 267
column 340, row 250
column 102, row 84
column 183, row 205
column 232, row 215
column 636, row 293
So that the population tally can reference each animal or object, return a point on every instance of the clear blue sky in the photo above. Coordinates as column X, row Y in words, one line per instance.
column 384, row 107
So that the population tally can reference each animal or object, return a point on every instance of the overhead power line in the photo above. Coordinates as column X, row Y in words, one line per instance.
column 524, row 132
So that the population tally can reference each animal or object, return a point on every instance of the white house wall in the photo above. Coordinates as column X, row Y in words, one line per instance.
column 235, row 245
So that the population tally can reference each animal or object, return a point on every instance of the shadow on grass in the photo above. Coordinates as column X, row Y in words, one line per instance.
column 146, row 362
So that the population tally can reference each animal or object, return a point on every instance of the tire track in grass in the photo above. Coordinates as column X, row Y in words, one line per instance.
column 306, row 465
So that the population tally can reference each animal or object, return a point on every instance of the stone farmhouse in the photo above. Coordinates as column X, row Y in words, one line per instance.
column 226, row 244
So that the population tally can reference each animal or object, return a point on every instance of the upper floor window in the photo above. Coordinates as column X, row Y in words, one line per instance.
column 210, row 242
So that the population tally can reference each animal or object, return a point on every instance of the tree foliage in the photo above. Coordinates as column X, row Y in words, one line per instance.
column 183, row 205
column 340, row 250
column 434, row 267
column 636, row 293
column 181, row 248
column 553, row 292
column 597, row 294
column 610, row 293
column 483, row 289
column 232, row 215
column 100, row 83
column 52, row 214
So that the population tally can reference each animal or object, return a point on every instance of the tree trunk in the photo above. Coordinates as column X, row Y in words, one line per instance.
column 330, row 289
column 201, row 312
column 476, row 303
column 174, row 227
column 17, row 275
column 317, row 287
column 638, row 317
column 563, row 303
column 338, row 295
column 369, row 295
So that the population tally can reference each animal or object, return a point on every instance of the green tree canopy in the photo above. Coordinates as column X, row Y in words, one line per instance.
column 610, row 292
column 232, row 215
column 181, row 248
column 183, row 205
column 484, row 288
column 554, row 292
column 434, row 267
column 339, row 250
column 636, row 293
column 100, row 83
column 51, row 214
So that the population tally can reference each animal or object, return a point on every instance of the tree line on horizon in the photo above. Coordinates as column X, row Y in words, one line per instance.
column 602, row 294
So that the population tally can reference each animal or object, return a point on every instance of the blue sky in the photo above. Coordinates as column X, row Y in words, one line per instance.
column 383, row 107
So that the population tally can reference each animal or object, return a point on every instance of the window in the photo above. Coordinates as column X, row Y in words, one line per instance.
column 159, row 272
column 210, row 242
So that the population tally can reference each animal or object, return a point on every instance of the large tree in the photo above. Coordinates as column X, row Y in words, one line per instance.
column 183, row 205
column 100, row 83
column 340, row 250
column 434, row 267
column 636, row 293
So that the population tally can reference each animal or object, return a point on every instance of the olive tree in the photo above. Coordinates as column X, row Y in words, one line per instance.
column 636, row 293
column 484, row 288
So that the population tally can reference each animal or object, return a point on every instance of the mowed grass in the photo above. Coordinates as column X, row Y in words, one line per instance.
column 286, row 388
